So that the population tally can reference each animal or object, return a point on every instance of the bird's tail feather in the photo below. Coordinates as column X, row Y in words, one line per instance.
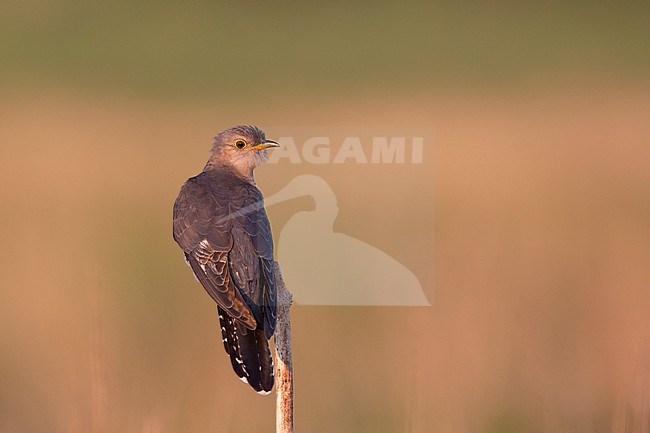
column 249, row 353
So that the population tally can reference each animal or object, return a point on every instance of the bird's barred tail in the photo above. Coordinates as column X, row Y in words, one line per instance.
column 249, row 353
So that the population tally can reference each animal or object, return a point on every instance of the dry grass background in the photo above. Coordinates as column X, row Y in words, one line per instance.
column 528, row 225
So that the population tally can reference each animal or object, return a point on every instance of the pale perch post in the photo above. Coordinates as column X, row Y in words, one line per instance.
column 283, row 363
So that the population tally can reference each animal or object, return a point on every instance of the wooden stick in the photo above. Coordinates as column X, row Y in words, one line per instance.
column 283, row 363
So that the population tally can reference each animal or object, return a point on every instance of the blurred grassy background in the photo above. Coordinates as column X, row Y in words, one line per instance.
column 539, row 252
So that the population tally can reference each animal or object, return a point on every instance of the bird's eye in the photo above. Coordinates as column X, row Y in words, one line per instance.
column 240, row 144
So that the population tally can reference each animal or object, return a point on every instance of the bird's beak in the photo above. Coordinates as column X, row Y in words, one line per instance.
column 266, row 145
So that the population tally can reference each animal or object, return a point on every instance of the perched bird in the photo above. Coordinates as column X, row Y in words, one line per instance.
column 221, row 225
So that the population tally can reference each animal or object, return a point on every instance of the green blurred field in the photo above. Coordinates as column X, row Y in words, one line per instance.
column 537, row 259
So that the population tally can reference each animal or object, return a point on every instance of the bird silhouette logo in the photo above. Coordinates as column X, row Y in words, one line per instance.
column 323, row 267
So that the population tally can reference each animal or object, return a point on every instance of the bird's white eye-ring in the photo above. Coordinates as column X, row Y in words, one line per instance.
column 240, row 144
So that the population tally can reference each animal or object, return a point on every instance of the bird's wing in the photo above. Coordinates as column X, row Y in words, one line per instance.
column 251, row 258
column 264, row 246
column 202, row 228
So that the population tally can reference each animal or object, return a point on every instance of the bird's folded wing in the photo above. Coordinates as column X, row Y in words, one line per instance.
column 202, row 228
column 263, row 245
column 251, row 258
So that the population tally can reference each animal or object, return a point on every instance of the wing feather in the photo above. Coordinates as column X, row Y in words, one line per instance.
column 226, row 236
column 206, row 242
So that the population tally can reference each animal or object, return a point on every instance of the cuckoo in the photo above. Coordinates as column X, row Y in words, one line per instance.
column 221, row 226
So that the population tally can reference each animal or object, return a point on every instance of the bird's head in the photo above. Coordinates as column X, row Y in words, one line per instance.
column 241, row 148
